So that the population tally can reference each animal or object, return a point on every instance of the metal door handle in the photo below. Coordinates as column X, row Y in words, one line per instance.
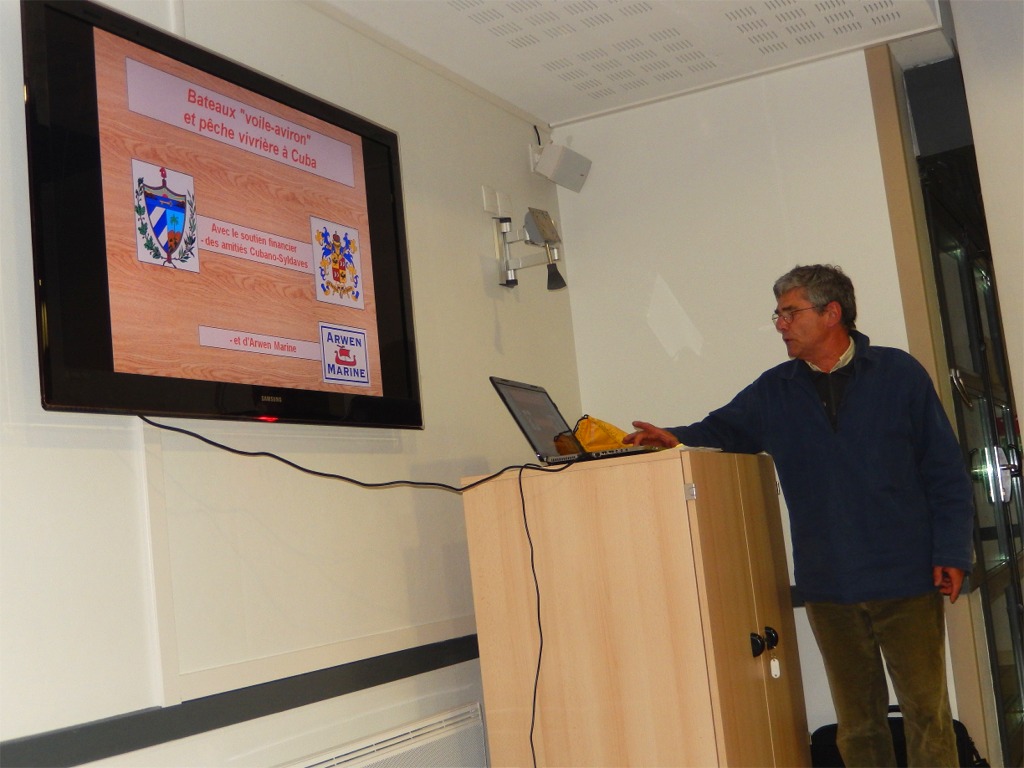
column 960, row 387
column 1012, row 461
column 1003, row 473
column 991, row 465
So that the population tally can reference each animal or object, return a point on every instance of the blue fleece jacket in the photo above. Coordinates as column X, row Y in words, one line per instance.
column 874, row 503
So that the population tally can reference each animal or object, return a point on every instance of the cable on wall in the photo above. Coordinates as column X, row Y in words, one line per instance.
column 540, row 626
column 425, row 484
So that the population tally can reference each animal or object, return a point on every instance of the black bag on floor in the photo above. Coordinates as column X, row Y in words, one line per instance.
column 825, row 753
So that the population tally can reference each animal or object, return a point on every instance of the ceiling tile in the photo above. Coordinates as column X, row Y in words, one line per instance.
column 565, row 60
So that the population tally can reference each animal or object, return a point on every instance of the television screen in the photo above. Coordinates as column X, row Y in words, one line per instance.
column 208, row 242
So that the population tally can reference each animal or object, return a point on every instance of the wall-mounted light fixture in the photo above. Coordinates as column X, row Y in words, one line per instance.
column 541, row 233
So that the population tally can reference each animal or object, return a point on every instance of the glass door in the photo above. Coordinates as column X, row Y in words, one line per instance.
column 987, row 424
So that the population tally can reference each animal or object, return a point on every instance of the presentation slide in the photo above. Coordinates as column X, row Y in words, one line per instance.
column 238, row 246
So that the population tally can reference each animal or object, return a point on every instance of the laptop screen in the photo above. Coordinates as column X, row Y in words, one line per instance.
column 538, row 418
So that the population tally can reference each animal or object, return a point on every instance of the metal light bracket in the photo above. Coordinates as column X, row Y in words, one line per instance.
column 540, row 233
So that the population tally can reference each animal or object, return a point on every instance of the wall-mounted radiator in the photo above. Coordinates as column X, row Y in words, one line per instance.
column 452, row 739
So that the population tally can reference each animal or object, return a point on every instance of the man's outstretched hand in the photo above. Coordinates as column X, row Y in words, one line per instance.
column 648, row 434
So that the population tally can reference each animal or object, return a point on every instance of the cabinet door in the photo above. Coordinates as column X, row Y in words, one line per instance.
column 739, row 694
column 742, row 565
column 773, row 605
column 623, row 677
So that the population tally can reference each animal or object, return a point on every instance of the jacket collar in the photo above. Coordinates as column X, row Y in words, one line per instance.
column 864, row 355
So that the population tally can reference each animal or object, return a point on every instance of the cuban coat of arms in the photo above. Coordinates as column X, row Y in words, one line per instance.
column 165, row 216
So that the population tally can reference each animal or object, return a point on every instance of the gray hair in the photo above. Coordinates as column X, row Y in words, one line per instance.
column 823, row 283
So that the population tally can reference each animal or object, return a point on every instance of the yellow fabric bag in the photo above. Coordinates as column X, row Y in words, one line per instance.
column 597, row 435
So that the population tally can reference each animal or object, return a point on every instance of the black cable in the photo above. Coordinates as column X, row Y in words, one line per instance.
column 537, row 131
column 540, row 626
column 352, row 480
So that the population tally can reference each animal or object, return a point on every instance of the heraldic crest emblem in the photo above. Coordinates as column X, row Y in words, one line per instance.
column 166, row 218
column 339, row 273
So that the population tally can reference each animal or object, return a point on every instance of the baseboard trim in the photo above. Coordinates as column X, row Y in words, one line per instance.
column 101, row 739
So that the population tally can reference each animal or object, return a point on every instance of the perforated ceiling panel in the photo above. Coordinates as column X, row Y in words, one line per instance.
column 564, row 60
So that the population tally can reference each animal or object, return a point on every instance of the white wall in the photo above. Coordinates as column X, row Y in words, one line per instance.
column 141, row 567
column 693, row 208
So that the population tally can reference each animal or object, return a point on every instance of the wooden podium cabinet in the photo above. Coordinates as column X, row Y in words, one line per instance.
column 657, row 577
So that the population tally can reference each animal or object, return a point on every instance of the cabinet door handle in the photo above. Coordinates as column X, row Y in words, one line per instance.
column 757, row 644
column 771, row 637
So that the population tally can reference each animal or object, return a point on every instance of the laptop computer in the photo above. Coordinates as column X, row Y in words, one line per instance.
column 545, row 428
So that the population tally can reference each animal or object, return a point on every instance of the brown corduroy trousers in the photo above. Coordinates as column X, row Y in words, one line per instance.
column 908, row 635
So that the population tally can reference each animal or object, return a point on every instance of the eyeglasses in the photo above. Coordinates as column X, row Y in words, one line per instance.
column 787, row 315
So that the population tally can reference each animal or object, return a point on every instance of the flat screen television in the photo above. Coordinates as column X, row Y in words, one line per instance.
column 208, row 242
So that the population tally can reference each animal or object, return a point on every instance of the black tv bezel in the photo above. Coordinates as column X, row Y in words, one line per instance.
column 72, row 304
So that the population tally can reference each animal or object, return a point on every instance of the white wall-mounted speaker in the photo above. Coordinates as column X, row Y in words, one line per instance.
column 560, row 164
